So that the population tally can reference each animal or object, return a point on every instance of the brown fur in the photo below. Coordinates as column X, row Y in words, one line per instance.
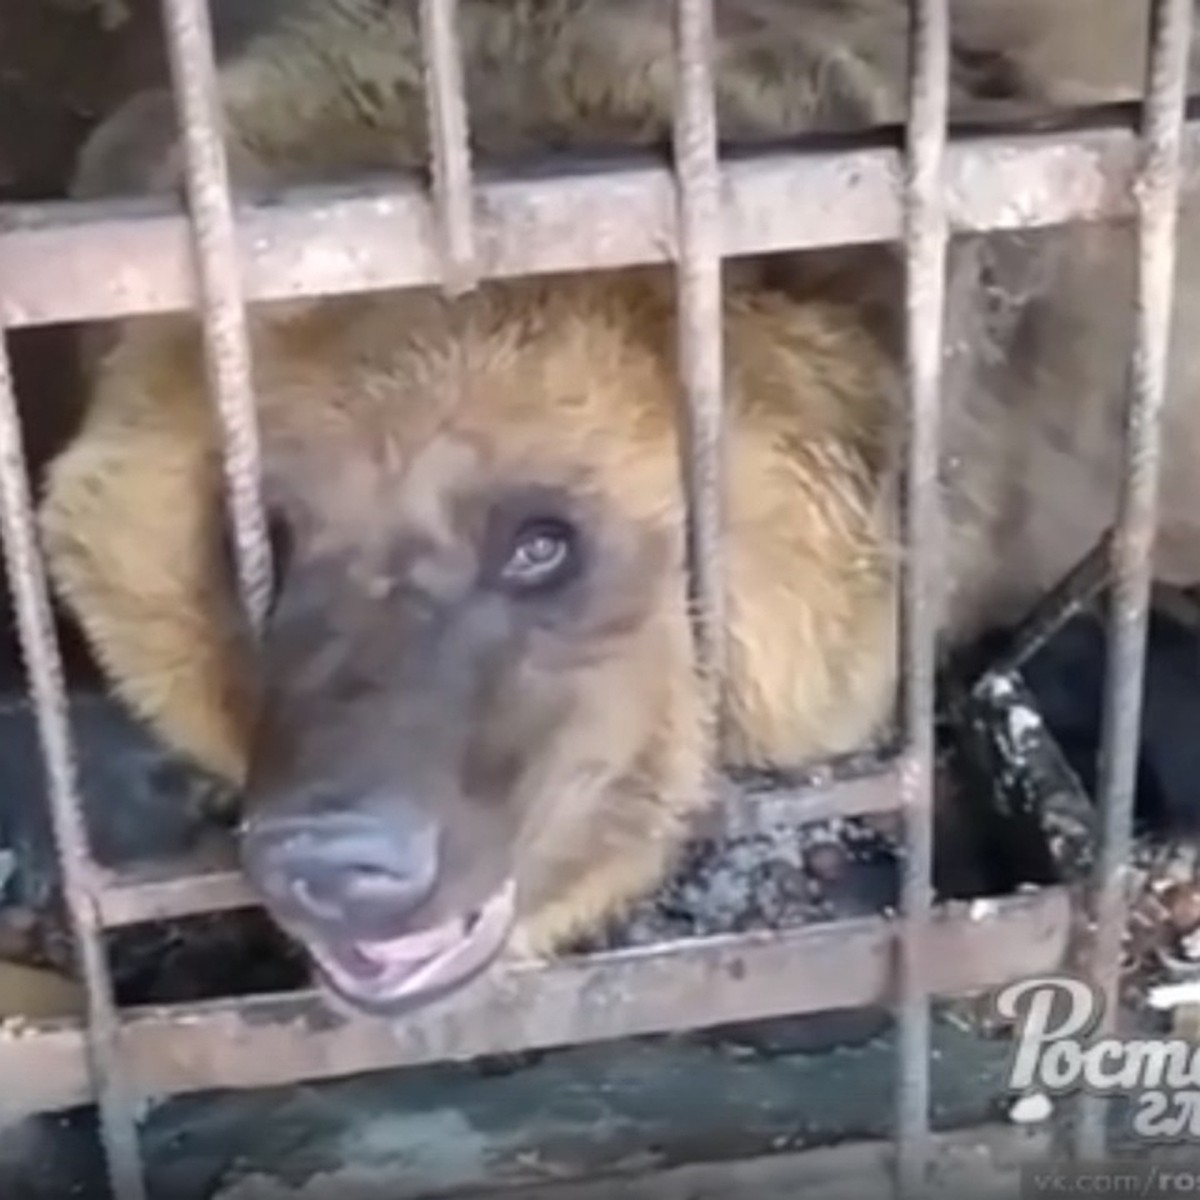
column 365, row 400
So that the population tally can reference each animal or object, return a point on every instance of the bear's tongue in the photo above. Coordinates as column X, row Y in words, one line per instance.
column 433, row 960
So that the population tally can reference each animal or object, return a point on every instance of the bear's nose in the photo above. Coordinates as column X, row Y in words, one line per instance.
column 349, row 873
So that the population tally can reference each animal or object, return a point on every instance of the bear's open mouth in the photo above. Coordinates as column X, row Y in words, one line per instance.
column 402, row 973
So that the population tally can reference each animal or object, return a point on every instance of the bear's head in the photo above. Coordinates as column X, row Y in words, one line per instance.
column 472, row 718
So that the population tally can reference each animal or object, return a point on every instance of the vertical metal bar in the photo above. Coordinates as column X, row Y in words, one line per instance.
column 43, row 666
column 1157, row 195
column 700, row 346
column 226, row 341
column 449, row 140
column 925, row 235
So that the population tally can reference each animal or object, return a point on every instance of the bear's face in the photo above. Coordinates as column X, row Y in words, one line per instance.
column 472, row 721
column 477, row 635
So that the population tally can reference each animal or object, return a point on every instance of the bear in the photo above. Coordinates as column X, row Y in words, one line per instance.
column 473, row 724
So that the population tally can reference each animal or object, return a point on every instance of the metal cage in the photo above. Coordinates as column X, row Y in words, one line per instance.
column 65, row 262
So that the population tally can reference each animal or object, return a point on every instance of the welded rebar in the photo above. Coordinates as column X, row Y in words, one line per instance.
column 449, row 141
column 218, row 277
column 44, row 671
column 1157, row 195
column 925, row 242
column 700, row 330
column 119, row 257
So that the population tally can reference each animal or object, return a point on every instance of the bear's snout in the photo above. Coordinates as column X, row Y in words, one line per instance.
column 350, row 874
column 355, row 889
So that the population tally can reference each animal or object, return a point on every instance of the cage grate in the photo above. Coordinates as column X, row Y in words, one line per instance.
column 74, row 261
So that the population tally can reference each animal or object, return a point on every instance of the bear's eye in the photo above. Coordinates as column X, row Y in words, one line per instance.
column 542, row 555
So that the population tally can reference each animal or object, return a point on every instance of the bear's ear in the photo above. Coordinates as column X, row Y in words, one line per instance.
column 130, row 519
column 129, row 153
column 135, row 151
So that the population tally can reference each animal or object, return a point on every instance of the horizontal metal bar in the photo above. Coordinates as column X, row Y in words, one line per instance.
column 983, row 1161
column 857, row 791
column 210, row 880
column 50, row 1060
column 264, row 1041
column 71, row 261
column 162, row 890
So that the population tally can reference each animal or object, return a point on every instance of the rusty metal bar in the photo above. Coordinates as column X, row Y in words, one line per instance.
column 43, row 665
column 217, row 273
column 982, row 1160
column 51, row 1060
column 925, row 242
column 787, row 201
column 701, row 361
column 445, row 99
column 161, row 890
column 1157, row 196
column 74, row 261
column 178, row 887
column 263, row 1041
